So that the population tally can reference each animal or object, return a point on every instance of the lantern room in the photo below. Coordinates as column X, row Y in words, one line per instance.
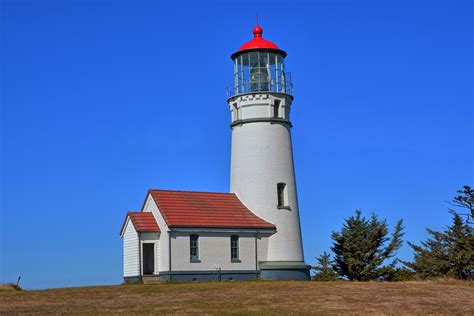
column 259, row 67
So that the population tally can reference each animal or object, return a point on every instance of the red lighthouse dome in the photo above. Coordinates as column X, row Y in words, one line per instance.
column 258, row 43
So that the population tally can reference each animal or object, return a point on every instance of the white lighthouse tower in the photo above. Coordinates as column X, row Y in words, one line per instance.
column 262, row 168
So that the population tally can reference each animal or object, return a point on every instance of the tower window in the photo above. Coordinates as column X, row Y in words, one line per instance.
column 234, row 247
column 282, row 195
column 194, row 247
column 276, row 109
column 235, row 112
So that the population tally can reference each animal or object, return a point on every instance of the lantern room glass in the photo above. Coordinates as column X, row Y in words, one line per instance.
column 260, row 71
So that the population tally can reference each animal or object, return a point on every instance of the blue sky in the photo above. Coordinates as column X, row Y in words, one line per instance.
column 102, row 100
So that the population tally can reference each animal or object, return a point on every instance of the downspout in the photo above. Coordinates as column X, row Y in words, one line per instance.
column 256, row 256
column 140, row 257
column 169, row 255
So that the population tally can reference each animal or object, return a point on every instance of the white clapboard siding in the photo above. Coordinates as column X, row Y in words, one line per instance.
column 130, row 251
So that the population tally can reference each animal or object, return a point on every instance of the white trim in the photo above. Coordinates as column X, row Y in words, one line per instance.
column 155, row 270
column 198, row 248
column 223, row 230
column 124, row 227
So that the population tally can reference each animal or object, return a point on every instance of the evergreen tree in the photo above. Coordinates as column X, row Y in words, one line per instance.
column 325, row 272
column 464, row 204
column 431, row 258
column 448, row 253
column 360, row 248
column 460, row 247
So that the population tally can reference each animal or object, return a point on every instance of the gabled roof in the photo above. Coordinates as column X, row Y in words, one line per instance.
column 206, row 210
column 142, row 221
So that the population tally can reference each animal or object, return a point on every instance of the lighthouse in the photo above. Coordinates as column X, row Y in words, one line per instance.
column 251, row 232
column 262, row 171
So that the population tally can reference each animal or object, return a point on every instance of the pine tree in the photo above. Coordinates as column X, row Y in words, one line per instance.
column 431, row 258
column 464, row 204
column 451, row 252
column 325, row 272
column 460, row 250
column 360, row 248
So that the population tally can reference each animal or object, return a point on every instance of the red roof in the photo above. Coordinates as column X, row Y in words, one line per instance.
column 258, row 43
column 143, row 222
column 206, row 210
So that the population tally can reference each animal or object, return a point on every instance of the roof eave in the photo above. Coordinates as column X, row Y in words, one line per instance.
column 124, row 224
column 263, row 49
column 148, row 231
column 222, row 227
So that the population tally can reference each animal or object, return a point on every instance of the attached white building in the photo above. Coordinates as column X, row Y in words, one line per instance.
column 207, row 236
column 254, row 231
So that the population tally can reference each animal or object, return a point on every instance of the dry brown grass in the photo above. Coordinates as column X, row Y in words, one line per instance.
column 282, row 297
column 4, row 287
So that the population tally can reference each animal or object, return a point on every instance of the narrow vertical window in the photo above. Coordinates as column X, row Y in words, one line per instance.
column 234, row 247
column 282, row 195
column 236, row 77
column 194, row 247
column 235, row 111
column 276, row 109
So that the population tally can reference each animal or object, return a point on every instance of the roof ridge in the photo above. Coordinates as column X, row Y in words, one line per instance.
column 189, row 191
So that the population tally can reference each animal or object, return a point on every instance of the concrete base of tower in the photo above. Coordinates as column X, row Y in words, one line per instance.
column 284, row 270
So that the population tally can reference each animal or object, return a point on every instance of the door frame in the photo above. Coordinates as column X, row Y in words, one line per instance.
column 143, row 242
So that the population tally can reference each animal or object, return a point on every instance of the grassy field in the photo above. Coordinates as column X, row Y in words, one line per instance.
column 262, row 297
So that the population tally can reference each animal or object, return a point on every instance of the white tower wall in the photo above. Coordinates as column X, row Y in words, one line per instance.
column 262, row 157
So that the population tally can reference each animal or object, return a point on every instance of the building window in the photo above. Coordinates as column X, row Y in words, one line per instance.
column 194, row 247
column 234, row 248
column 235, row 112
column 276, row 109
column 282, row 195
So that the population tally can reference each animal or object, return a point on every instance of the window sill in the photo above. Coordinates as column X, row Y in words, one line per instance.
column 283, row 207
column 195, row 261
column 235, row 261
